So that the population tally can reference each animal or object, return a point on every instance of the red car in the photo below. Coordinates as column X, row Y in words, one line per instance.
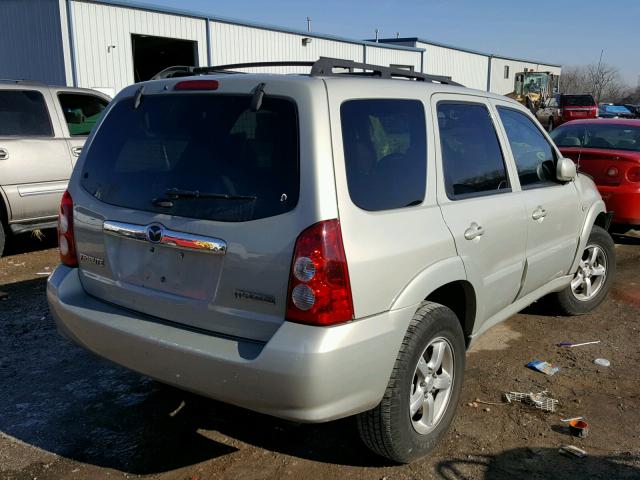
column 609, row 151
column 564, row 108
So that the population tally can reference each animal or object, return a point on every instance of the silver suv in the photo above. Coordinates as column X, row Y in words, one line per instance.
column 323, row 245
column 42, row 131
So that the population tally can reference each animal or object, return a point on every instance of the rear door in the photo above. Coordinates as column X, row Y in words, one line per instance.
column 35, row 164
column 189, row 205
column 479, row 199
column 78, row 112
column 554, row 214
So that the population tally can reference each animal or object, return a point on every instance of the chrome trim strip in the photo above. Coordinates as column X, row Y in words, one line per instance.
column 32, row 193
column 169, row 238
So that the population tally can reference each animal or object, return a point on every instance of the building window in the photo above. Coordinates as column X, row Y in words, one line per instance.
column 506, row 71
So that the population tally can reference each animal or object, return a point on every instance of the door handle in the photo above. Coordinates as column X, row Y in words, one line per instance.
column 4, row 154
column 474, row 231
column 539, row 213
column 76, row 151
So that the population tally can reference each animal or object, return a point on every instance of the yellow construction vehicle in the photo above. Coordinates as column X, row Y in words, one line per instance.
column 533, row 89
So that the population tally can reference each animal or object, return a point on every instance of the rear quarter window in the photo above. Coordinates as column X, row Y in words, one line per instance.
column 385, row 152
column 214, row 145
column 23, row 113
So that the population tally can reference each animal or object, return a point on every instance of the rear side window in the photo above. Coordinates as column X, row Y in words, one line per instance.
column 472, row 160
column 385, row 152
column 534, row 157
column 81, row 111
column 230, row 163
column 23, row 113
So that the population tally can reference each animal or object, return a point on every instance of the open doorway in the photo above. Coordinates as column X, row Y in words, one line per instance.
column 153, row 54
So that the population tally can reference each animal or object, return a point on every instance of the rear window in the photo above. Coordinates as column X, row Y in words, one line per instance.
column 578, row 101
column 385, row 152
column 204, row 145
column 607, row 136
column 23, row 113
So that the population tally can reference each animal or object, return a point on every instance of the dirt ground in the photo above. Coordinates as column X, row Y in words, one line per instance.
column 65, row 414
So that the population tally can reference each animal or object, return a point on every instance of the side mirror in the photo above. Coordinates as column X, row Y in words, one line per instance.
column 566, row 170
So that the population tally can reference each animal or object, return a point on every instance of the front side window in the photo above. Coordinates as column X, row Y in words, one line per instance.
column 535, row 158
column 472, row 160
column 385, row 152
column 23, row 113
column 209, row 157
column 81, row 111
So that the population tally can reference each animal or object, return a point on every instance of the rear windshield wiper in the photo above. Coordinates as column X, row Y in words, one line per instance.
column 178, row 193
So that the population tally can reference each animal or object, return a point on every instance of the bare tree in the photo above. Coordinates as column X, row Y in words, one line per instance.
column 600, row 80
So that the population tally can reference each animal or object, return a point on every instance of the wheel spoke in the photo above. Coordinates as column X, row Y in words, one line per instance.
column 423, row 369
column 429, row 409
column 598, row 271
column 436, row 356
column 593, row 256
column 442, row 381
column 417, row 399
column 576, row 282
column 588, row 287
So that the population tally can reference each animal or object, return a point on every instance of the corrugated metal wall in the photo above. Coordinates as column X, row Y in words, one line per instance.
column 97, row 26
column 232, row 43
column 393, row 56
column 469, row 69
column 31, row 41
column 502, row 85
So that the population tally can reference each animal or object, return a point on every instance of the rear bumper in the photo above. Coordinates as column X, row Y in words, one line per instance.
column 625, row 203
column 303, row 373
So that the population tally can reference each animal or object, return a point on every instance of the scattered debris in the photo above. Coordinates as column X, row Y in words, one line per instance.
column 544, row 367
column 43, row 273
column 487, row 409
column 177, row 410
column 571, row 345
column 579, row 428
column 472, row 404
column 573, row 450
column 477, row 400
column 570, row 419
column 538, row 400
column 603, row 362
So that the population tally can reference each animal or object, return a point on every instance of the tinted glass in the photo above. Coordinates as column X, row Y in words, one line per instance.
column 472, row 159
column 24, row 113
column 212, row 144
column 594, row 135
column 578, row 101
column 385, row 152
column 533, row 154
column 616, row 109
column 81, row 111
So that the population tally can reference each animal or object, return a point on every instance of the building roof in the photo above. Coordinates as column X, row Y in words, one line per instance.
column 263, row 26
column 452, row 47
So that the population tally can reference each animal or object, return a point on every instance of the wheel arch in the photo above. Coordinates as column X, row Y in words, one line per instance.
column 596, row 215
column 446, row 283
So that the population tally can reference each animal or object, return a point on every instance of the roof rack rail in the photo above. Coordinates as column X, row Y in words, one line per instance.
column 324, row 66
column 20, row 81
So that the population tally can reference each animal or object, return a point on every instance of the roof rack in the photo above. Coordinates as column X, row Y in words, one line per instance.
column 22, row 82
column 324, row 66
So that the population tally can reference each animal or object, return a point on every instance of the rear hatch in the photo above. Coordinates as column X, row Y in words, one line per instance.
column 606, row 167
column 576, row 107
column 188, row 208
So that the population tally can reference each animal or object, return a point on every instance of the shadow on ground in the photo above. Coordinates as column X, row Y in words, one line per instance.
column 539, row 464
column 62, row 399
column 30, row 242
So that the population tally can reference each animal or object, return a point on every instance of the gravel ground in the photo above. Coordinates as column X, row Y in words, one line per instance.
column 66, row 414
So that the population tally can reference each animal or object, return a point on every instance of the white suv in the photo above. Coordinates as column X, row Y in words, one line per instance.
column 323, row 245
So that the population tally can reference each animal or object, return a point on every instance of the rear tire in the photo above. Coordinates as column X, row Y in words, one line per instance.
column 592, row 282
column 426, row 379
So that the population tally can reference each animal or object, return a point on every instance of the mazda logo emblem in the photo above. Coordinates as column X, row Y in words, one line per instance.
column 154, row 233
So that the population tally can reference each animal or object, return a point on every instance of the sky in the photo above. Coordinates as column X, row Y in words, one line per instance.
column 567, row 32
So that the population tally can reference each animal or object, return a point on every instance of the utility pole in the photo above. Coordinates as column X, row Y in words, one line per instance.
column 376, row 35
column 308, row 24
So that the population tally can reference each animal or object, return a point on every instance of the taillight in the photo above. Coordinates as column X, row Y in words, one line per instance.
column 66, row 239
column 633, row 174
column 319, row 287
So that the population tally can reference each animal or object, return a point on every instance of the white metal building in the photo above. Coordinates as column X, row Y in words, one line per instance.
column 108, row 44
column 484, row 71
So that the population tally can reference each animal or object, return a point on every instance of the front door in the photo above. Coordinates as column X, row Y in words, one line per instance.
column 553, row 207
column 479, row 200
